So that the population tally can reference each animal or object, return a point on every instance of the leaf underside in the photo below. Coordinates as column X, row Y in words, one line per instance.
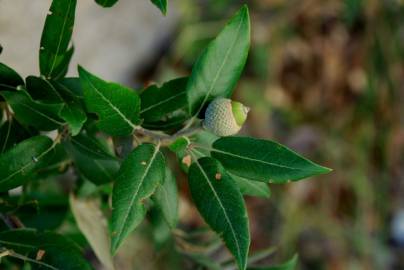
column 166, row 198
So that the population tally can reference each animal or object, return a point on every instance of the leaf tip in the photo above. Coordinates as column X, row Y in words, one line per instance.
column 244, row 8
column 244, row 11
column 80, row 69
column 114, row 244
column 323, row 170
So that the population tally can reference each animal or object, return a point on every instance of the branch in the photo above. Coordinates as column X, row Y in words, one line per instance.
column 166, row 138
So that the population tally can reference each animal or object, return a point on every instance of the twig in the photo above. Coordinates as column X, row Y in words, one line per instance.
column 11, row 253
column 166, row 138
column 7, row 221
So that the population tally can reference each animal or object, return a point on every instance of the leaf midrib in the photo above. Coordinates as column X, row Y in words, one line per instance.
column 221, row 206
column 27, row 165
column 249, row 158
column 60, row 38
column 54, row 90
column 7, row 136
column 100, row 155
column 162, row 5
column 251, row 184
column 161, row 102
column 109, row 176
column 166, row 199
column 17, row 244
column 70, row 91
column 42, row 114
column 220, row 68
column 128, row 121
column 9, row 87
column 134, row 197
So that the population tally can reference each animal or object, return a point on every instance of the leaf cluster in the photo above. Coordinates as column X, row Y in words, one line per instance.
column 114, row 142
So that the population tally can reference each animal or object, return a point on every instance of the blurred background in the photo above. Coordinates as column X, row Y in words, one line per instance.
column 324, row 77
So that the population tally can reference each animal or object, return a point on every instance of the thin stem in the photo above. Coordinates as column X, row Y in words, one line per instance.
column 204, row 147
column 196, row 151
column 189, row 124
column 166, row 138
column 193, row 156
column 7, row 221
column 11, row 253
column 4, row 253
column 8, row 112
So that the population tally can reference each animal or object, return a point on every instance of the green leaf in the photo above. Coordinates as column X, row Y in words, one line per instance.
column 9, row 79
column 17, row 164
column 172, row 121
column 180, row 145
column 222, row 206
column 54, row 54
column 56, row 166
column 74, row 117
column 263, row 160
column 205, row 138
column 116, row 106
column 53, row 92
column 140, row 174
column 61, row 61
column 11, row 133
column 73, row 111
column 166, row 198
column 161, row 4
column 34, row 113
column 260, row 255
column 217, row 70
column 289, row 265
column 91, row 147
column 98, row 171
column 106, row 3
column 54, row 251
column 42, row 90
column 205, row 261
column 52, row 206
column 161, row 231
column 93, row 225
column 251, row 188
column 73, row 86
column 157, row 102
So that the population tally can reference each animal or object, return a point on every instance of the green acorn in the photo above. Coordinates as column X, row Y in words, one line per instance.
column 225, row 117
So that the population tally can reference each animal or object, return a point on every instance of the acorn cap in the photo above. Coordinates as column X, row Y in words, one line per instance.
column 240, row 112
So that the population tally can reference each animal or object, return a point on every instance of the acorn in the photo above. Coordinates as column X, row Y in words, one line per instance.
column 225, row 117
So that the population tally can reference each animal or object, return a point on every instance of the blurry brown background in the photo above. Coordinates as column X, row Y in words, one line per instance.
column 326, row 78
